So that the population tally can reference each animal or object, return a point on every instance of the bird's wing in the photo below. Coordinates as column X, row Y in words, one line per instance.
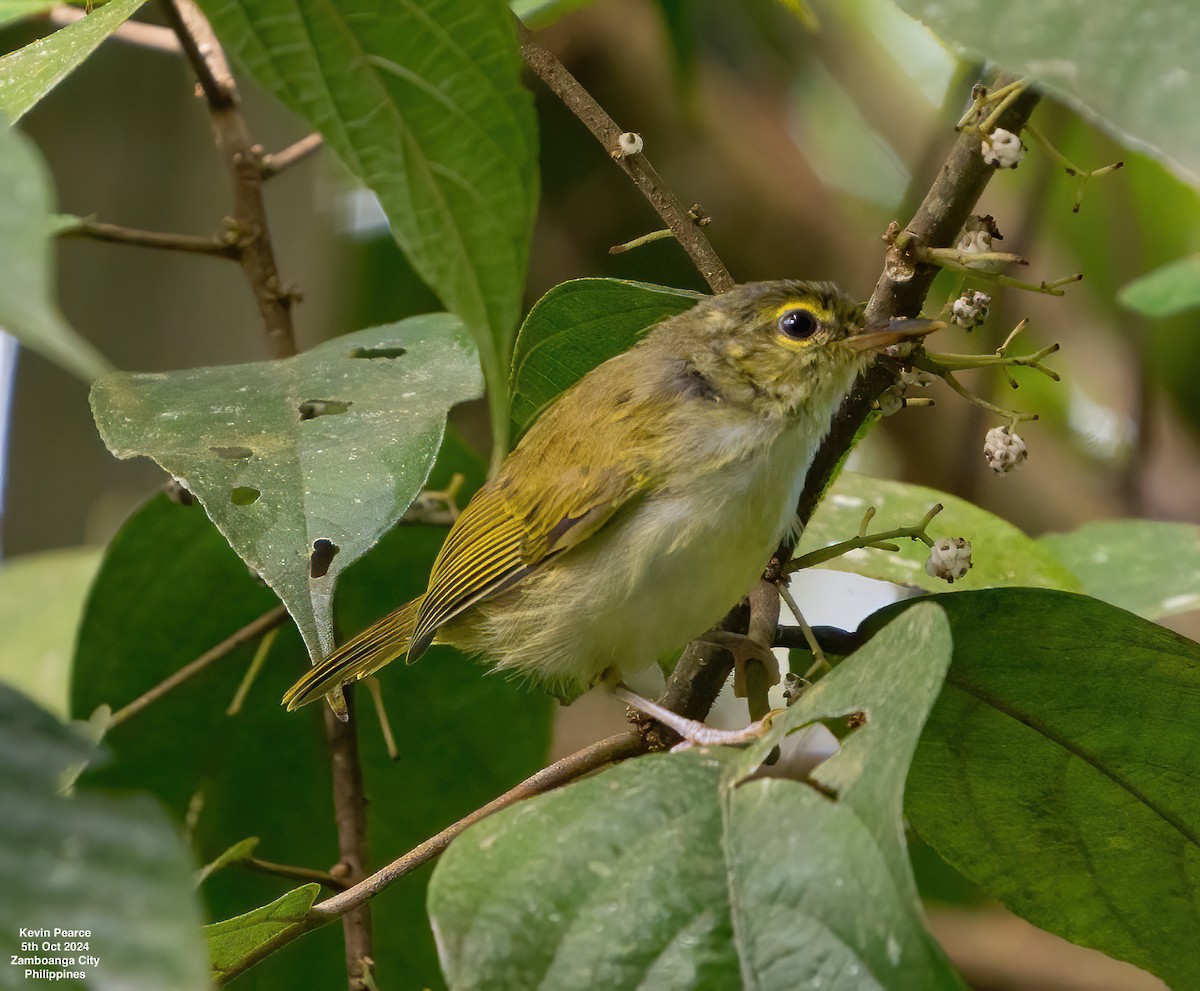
column 552, row 494
column 501, row 538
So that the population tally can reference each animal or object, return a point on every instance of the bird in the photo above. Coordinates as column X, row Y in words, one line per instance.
column 644, row 502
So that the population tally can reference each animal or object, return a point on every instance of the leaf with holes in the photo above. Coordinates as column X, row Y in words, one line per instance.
column 30, row 73
column 705, row 869
column 27, row 309
column 423, row 102
column 113, row 866
column 302, row 463
column 1058, row 771
column 575, row 327
column 1000, row 552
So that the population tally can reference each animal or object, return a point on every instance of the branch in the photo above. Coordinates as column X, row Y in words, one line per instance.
column 591, row 758
column 580, row 102
column 350, row 815
column 902, row 287
column 115, row 234
column 272, row 165
column 265, row 622
column 243, row 159
column 585, row 761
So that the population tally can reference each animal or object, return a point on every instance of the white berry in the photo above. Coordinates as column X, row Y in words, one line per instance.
column 949, row 558
column 1002, row 149
column 1003, row 449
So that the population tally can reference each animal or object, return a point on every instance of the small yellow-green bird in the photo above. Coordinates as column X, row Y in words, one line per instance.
column 644, row 502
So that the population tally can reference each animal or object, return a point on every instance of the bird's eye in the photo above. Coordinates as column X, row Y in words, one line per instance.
column 798, row 324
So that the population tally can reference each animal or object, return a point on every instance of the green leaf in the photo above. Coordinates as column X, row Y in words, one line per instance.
column 1001, row 554
column 1128, row 71
column 1058, row 772
column 15, row 10
column 113, row 867
column 1147, row 567
column 168, row 590
column 28, row 74
column 231, row 941
column 575, row 327
column 423, row 103
column 1174, row 288
column 333, row 444
column 235, row 854
column 542, row 13
column 27, row 310
column 691, row 871
column 41, row 601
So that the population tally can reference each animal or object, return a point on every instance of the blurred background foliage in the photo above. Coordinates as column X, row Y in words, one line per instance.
column 801, row 143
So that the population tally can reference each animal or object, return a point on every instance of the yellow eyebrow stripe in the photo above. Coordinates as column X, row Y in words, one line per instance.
column 822, row 314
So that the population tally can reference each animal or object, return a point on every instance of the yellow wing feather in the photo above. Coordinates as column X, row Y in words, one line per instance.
column 377, row 645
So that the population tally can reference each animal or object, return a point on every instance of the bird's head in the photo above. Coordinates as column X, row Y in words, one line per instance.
column 781, row 347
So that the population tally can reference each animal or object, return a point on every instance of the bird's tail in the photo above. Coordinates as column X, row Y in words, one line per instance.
column 377, row 645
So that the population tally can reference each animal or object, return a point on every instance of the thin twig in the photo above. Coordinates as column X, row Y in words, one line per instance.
column 116, row 234
column 272, row 165
column 294, row 873
column 810, row 639
column 243, row 158
column 265, row 622
column 135, row 33
column 580, row 102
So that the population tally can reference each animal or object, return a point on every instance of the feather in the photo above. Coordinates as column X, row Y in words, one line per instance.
column 376, row 646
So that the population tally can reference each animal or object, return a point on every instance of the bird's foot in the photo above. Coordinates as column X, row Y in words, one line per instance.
column 695, row 734
column 744, row 649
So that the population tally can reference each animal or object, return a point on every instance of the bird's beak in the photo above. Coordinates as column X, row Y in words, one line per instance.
column 880, row 336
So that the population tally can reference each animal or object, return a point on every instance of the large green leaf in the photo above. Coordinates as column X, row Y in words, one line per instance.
column 1148, row 567
column 1166, row 291
column 331, row 445
column 1058, row 771
column 1001, row 553
column 424, row 104
column 168, row 590
column 41, row 600
column 27, row 75
column 27, row 310
column 112, row 867
column 689, row 871
column 575, row 327
column 1130, row 70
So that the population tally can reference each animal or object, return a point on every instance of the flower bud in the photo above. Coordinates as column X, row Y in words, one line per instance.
column 629, row 143
column 949, row 558
column 1002, row 149
column 970, row 309
column 1003, row 449
column 891, row 400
